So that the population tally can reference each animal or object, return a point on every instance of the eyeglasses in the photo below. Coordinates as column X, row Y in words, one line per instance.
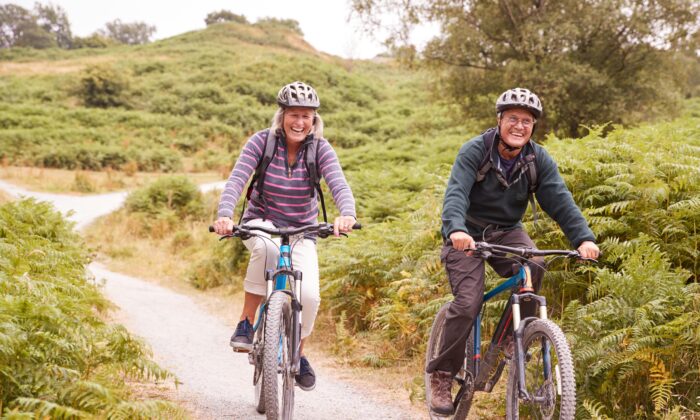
column 526, row 122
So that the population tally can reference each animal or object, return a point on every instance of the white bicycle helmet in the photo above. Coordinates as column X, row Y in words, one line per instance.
column 298, row 94
column 519, row 98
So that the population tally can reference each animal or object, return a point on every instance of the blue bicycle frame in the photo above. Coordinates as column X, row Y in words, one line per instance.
column 524, row 295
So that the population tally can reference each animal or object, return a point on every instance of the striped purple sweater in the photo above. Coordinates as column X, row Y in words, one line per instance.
column 287, row 191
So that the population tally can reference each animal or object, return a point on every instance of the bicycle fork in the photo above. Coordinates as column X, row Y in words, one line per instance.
column 520, row 354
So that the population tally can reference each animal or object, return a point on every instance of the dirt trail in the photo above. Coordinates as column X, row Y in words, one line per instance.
column 193, row 344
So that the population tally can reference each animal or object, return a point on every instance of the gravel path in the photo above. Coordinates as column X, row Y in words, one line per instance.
column 216, row 383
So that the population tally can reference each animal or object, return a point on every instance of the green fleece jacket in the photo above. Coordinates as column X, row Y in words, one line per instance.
column 491, row 202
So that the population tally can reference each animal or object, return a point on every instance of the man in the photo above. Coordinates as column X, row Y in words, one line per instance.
column 486, row 197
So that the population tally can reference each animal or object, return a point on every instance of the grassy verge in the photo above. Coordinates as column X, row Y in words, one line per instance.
column 86, row 182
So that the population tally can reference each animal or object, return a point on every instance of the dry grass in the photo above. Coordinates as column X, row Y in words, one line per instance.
column 4, row 197
column 86, row 182
column 32, row 68
column 74, row 65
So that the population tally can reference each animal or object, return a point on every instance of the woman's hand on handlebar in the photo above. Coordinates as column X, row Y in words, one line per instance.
column 461, row 241
column 223, row 226
column 343, row 224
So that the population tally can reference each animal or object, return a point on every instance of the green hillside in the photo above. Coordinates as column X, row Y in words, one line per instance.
column 189, row 102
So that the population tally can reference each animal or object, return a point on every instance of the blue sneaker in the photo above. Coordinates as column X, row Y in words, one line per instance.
column 306, row 379
column 242, row 339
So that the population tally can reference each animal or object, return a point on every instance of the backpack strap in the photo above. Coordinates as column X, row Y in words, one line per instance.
column 530, row 169
column 486, row 162
column 311, row 162
column 259, row 175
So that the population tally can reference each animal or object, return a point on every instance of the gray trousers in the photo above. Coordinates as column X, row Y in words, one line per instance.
column 466, row 276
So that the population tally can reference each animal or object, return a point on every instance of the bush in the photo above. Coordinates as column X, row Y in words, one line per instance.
column 225, row 264
column 59, row 358
column 167, row 194
column 102, row 86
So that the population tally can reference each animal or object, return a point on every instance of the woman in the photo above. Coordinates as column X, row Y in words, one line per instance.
column 287, row 199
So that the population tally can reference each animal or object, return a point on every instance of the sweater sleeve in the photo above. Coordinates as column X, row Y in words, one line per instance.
column 245, row 166
column 459, row 186
column 556, row 200
column 330, row 169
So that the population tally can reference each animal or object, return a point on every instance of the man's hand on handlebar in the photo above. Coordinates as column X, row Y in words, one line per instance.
column 461, row 241
column 588, row 250
column 223, row 226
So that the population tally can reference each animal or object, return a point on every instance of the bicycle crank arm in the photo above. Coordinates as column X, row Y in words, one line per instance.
column 495, row 377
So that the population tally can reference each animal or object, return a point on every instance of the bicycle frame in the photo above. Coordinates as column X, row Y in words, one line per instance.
column 512, row 313
column 277, row 280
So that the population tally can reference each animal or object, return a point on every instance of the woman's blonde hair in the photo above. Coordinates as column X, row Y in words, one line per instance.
column 277, row 123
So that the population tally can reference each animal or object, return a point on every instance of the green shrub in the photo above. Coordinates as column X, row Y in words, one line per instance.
column 224, row 265
column 58, row 357
column 167, row 194
column 103, row 86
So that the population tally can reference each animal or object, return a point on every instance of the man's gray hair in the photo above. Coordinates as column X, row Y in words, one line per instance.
column 277, row 123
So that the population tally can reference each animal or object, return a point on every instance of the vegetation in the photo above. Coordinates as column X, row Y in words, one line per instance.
column 135, row 33
column 43, row 27
column 224, row 16
column 192, row 101
column 595, row 61
column 59, row 358
column 47, row 26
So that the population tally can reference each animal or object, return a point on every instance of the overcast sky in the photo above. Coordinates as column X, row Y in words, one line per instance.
column 324, row 22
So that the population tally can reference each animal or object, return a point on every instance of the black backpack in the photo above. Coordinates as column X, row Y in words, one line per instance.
column 310, row 161
column 528, row 162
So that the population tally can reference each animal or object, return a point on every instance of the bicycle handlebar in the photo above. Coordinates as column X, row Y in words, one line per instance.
column 322, row 229
column 485, row 250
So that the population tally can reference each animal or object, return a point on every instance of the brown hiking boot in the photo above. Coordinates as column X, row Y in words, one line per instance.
column 441, row 392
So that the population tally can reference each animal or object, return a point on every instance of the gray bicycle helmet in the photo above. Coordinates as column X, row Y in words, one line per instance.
column 519, row 98
column 298, row 94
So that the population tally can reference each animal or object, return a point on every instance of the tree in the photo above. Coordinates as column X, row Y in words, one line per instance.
column 53, row 20
column 44, row 27
column 224, row 16
column 135, row 33
column 13, row 20
column 289, row 24
column 590, row 61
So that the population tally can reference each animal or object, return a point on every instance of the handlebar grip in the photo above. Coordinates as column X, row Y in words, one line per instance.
column 357, row 226
column 211, row 229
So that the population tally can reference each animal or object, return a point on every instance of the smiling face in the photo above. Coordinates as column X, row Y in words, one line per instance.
column 298, row 123
column 515, row 127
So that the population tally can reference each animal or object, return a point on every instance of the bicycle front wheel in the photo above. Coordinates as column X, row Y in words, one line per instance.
column 278, row 378
column 549, row 375
column 465, row 375
column 258, row 363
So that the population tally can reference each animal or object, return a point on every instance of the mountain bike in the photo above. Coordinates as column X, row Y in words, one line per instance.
column 277, row 330
column 541, row 381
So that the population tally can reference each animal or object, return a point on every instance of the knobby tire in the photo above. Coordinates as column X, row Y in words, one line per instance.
column 554, row 406
column 277, row 359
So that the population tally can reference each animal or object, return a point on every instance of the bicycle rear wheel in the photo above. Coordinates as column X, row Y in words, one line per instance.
column 466, row 374
column 278, row 379
column 549, row 375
